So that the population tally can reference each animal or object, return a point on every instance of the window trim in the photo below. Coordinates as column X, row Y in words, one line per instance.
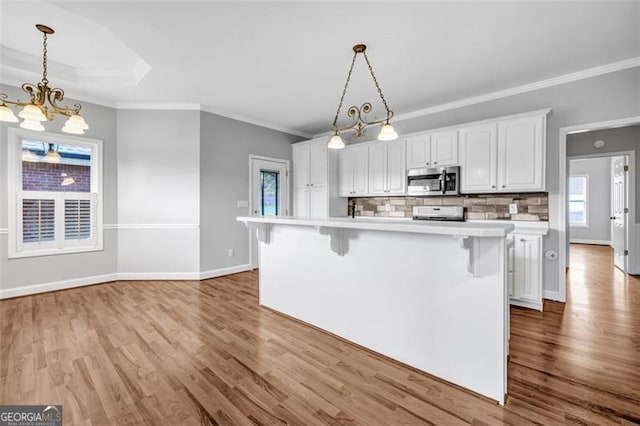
column 15, row 192
column 586, row 202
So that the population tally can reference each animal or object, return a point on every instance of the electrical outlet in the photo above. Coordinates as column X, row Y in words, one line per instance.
column 513, row 208
column 230, row 252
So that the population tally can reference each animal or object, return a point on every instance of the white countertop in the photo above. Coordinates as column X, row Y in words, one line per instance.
column 471, row 229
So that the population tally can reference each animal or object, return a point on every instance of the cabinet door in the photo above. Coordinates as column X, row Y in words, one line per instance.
column 346, row 172
column 318, row 201
column 418, row 152
column 378, row 168
column 396, row 169
column 521, row 154
column 301, row 202
column 444, row 148
column 478, row 158
column 360, row 170
column 528, row 253
column 318, row 165
column 300, row 168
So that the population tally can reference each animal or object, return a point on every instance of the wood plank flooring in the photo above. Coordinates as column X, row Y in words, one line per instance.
column 181, row 353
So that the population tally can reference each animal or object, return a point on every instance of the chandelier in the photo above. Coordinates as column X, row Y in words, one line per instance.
column 43, row 104
column 360, row 122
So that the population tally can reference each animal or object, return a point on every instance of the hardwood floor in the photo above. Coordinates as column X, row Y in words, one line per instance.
column 176, row 352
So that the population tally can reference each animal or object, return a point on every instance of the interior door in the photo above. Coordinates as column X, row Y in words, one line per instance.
column 269, row 193
column 619, row 212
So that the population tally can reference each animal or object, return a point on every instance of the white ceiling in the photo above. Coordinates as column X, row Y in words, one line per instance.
column 285, row 63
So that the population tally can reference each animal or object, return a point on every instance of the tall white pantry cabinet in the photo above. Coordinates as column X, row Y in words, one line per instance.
column 315, row 180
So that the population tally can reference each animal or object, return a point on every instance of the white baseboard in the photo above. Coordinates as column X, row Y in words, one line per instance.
column 123, row 276
column 224, row 271
column 588, row 241
column 525, row 304
column 552, row 295
column 168, row 276
column 58, row 285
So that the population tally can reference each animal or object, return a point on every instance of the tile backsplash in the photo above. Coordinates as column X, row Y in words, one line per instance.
column 531, row 206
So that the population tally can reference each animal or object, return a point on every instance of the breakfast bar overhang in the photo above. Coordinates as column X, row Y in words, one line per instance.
column 430, row 295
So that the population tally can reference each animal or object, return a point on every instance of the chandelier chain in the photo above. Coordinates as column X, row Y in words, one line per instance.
column 375, row 80
column 344, row 91
column 44, row 59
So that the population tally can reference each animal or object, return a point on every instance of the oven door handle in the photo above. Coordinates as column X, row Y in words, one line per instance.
column 443, row 180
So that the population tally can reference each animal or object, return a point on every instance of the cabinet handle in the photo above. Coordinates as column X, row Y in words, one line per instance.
column 435, row 162
column 428, row 164
column 504, row 186
column 522, row 240
column 493, row 186
column 311, row 184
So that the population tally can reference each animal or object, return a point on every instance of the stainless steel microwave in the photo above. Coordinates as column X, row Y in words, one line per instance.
column 434, row 181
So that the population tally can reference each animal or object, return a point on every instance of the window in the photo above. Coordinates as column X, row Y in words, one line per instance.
column 55, row 194
column 269, row 192
column 578, row 187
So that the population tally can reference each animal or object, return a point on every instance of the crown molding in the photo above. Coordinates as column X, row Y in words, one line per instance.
column 282, row 129
column 159, row 106
column 525, row 88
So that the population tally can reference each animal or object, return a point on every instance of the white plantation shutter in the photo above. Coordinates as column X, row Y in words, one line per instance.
column 38, row 220
column 79, row 218
column 57, row 220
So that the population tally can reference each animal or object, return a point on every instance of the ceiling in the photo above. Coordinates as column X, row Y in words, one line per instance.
column 285, row 63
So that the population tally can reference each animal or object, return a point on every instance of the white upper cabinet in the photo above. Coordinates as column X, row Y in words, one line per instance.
column 478, row 158
column 521, row 154
column 318, row 152
column 310, row 164
column 300, row 165
column 387, row 168
column 444, row 148
column 433, row 150
column 354, row 171
column 396, row 168
column 505, row 156
column 419, row 151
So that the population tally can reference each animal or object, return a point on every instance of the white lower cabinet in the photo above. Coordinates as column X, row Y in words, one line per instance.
column 524, row 274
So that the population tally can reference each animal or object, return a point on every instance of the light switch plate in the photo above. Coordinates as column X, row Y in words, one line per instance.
column 513, row 208
column 243, row 203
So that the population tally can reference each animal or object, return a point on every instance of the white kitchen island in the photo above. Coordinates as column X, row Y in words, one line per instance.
column 432, row 295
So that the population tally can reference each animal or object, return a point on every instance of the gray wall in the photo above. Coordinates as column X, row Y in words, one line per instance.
column 47, row 269
column 598, row 171
column 224, row 180
column 616, row 140
column 158, row 192
column 606, row 97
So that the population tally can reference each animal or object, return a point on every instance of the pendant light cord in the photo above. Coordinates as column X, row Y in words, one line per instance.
column 375, row 80
column 344, row 91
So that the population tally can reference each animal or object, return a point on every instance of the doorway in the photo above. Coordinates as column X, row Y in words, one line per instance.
column 268, row 194
column 600, row 212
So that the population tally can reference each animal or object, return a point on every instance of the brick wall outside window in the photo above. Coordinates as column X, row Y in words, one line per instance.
column 48, row 177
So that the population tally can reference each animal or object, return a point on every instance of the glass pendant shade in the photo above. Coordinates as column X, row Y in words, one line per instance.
column 335, row 142
column 52, row 156
column 75, row 124
column 7, row 115
column 32, row 125
column 32, row 112
column 387, row 133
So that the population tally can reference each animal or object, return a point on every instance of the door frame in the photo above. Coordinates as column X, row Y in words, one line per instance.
column 253, row 263
column 562, row 212
column 630, row 195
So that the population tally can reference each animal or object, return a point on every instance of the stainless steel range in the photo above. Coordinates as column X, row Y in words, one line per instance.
column 443, row 213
